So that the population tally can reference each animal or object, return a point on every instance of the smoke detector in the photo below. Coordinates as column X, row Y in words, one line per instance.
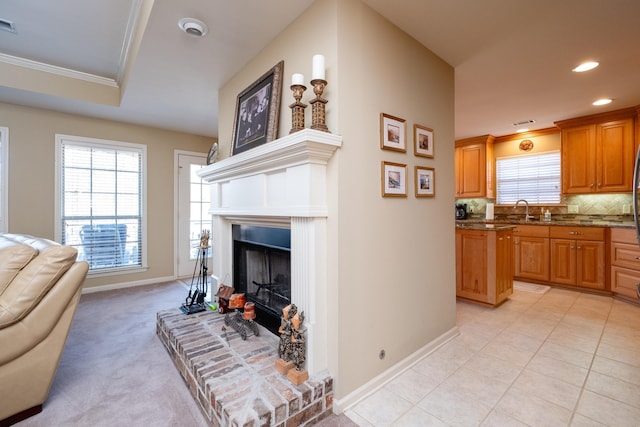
column 193, row 27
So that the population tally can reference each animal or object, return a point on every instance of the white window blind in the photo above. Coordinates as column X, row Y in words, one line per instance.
column 101, row 201
column 534, row 177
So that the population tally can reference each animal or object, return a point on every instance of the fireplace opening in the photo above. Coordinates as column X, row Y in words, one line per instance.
column 262, row 270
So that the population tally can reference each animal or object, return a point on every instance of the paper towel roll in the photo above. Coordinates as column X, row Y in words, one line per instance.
column 489, row 211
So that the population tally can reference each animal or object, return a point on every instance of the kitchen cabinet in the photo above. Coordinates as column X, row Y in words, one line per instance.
column 598, row 153
column 577, row 256
column 483, row 264
column 474, row 167
column 625, row 262
column 531, row 252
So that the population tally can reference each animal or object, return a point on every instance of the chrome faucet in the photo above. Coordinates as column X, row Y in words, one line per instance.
column 526, row 211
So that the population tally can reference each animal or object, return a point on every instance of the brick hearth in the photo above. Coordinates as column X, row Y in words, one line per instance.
column 235, row 382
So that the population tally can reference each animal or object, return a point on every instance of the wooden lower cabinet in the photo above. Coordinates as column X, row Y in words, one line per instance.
column 531, row 252
column 577, row 256
column 625, row 262
column 484, row 265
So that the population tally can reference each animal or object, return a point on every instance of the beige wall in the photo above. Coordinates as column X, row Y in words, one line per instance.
column 32, row 169
column 391, row 267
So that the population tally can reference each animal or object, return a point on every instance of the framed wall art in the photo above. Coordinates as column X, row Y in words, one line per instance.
column 423, row 141
column 394, row 179
column 425, row 181
column 258, row 111
column 392, row 133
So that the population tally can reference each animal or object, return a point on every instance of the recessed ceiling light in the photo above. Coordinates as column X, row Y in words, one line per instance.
column 193, row 27
column 585, row 66
column 603, row 101
column 522, row 130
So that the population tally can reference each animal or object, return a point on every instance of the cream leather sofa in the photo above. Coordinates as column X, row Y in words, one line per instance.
column 40, row 285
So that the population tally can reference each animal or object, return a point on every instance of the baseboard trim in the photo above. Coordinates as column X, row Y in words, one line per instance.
column 351, row 399
column 123, row 285
column 21, row 416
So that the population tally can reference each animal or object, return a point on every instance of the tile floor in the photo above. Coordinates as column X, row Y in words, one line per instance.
column 562, row 358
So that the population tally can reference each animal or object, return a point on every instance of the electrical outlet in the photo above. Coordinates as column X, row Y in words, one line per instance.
column 572, row 209
column 626, row 209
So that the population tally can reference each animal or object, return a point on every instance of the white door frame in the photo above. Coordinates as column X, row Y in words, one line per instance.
column 176, row 189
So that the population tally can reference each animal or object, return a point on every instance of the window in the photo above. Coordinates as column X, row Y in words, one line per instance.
column 534, row 177
column 100, row 201
column 4, row 179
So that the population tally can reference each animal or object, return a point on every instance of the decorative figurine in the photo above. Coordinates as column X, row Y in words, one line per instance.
column 292, row 345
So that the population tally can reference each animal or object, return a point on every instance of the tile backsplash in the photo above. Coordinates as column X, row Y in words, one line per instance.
column 609, row 207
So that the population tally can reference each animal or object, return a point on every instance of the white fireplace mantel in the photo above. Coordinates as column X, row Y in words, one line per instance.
column 285, row 177
column 282, row 183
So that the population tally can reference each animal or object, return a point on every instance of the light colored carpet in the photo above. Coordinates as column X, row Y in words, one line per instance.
column 115, row 371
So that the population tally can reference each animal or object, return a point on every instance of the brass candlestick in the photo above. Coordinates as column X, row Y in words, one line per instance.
column 297, row 108
column 317, row 106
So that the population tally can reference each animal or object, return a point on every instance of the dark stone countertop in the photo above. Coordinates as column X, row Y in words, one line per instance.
column 481, row 224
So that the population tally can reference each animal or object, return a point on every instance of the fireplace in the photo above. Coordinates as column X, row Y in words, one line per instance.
column 262, row 270
column 283, row 184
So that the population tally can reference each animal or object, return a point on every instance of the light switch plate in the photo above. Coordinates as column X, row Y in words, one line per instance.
column 572, row 209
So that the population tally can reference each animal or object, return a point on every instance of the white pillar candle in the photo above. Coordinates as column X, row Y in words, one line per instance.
column 297, row 79
column 318, row 68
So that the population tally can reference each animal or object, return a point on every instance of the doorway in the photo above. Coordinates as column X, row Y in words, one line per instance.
column 192, row 206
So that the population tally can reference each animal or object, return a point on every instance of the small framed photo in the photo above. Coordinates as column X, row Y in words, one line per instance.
column 425, row 181
column 394, row 179
column 423, row 141
column 392, row 133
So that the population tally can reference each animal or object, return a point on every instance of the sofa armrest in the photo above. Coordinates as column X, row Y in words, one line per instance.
column 30, row 330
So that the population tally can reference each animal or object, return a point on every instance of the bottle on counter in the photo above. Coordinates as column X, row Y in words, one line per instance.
column 547, row 215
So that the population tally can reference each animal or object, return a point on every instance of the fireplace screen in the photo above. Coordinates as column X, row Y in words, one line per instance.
column 262, row 269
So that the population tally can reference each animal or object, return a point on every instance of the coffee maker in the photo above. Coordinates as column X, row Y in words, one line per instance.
column 461, row 211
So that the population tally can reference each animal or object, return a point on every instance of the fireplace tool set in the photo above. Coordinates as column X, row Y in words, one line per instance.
column 194, row 303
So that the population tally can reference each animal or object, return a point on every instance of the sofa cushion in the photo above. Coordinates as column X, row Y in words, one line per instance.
column 34, row 280
column 13, row 257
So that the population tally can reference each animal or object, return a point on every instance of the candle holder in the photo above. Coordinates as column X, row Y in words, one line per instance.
column 317, row 106
column 297, row 108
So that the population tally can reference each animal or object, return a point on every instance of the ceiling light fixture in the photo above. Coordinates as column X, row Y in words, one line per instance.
column 193, row 27
column 603, row 101
column 585, row 66
column 522, row 130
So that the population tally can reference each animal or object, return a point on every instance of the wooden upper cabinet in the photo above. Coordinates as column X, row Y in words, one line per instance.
column 578, row 159
column 615, row 154
column 598, row 153
column 474, row 170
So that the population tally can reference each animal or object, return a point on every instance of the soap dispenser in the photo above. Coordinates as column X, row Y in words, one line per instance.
column 547, row 215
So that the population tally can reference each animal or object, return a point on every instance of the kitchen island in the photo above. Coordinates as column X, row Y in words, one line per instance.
column 484, row 271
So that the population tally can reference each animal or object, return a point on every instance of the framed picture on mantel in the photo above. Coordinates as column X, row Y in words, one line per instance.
column 257, row 111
